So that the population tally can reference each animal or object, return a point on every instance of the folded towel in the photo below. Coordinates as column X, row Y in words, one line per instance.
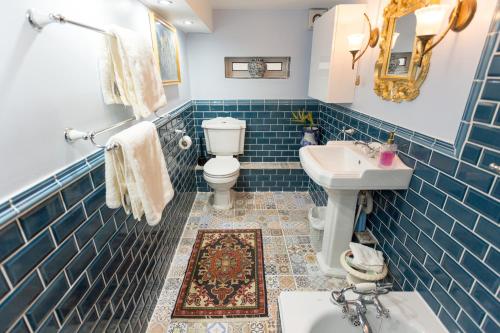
column 129, row 74
column 366, row 258
column 136, row 173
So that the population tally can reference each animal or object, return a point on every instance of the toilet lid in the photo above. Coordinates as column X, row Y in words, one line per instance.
column 221, row 166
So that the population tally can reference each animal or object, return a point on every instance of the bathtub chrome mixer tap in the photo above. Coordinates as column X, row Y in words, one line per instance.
column 355, row 310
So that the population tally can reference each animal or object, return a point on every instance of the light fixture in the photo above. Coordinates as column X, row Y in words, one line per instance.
column 188, row 22
column 430, row 19
column 355, row 41
column 166, row 2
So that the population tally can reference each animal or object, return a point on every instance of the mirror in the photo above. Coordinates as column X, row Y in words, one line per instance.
column 402, row 45
column 397, row 74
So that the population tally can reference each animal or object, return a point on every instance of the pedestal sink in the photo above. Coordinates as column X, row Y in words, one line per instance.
column 343, row 169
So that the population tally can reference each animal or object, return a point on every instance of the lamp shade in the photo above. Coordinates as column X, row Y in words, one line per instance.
column 430, row 19
column 354, row 42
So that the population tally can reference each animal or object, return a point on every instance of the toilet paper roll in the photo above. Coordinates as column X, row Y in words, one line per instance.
column 185, row 142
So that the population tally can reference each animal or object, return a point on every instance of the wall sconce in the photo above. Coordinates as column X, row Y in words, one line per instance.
column 430, row 18
column 354, row 42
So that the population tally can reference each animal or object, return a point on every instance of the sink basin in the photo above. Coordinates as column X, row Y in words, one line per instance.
column 342, row 165
column 343, row 169
column 312, row 312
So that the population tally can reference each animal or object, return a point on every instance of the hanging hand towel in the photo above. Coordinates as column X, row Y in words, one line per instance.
column 366, row 258
column 129, row 74
column 136, row 173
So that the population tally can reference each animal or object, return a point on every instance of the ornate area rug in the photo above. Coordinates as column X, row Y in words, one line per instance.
column 225, row 276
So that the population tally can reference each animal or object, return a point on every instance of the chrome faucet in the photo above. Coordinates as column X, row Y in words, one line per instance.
column 371, row 150
column 367, row 294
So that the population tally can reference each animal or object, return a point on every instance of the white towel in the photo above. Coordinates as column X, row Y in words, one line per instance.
column 129, row 74
column 136, row 173
column 366, row 258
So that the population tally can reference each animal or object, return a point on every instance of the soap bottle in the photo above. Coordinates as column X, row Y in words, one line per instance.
column 387, row 152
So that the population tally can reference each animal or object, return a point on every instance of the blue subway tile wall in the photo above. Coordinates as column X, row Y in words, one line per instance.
column 441, row 236
column 69, row 263
column 270, row 135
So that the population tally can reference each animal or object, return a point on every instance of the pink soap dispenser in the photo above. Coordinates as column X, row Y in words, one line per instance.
column 387, row 152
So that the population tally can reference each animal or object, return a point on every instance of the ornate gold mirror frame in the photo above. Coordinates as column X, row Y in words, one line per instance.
column 399, row 88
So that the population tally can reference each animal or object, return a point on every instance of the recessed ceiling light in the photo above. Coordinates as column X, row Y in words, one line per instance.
column 166, row 2
column 188, row 22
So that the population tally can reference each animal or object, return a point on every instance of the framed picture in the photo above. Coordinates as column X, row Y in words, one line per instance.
column 166, row 49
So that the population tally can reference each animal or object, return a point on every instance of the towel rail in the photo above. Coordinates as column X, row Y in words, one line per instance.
column 72, row 135
column 38, row 21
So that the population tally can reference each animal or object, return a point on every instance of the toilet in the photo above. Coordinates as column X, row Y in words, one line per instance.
column 224, row 138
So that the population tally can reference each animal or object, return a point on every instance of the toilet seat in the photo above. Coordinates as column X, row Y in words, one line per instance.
column 222, row 167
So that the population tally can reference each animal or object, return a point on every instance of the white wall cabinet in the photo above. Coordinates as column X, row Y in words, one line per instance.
column 332, row 79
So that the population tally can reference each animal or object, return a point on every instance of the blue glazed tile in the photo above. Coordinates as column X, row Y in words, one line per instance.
column 496, row 189
column 469, row 240
column 488, row 48
column 485, row 205
column 409, row 227
column 408, row 273
column 73, row 172
column 77, row 191
column 20, row 327
column 421, row 272
column 445, row 300
column 13, row 307
column 423, row 223
column 493, row 259
column 102, row 237
column 488, row 158
column 428, row 297
column 471, row 101
column 440, row 218
column 451, row 186
column 471, row 153
column 437, row 272
column 80, row 262
column 485, row 112
column 481, row 272
column 497, row 120
column 49, row 326
column 4, row 288
column 484, row 135
column 444, row 163
column 448, row 244
column 27, row 258
column 489, row 326
column 444, row 147
column 448, row 322
column 47, row 301
column 88, row 229
column 430, row 247
column 426, row 173
column 72, row 324
column 467, row 324
column 466, row 302
column 95, row 200
column 72, row 298
column 475, row 177
column 460, row 212
column 487, row 300
column 463, row 130
column 457, row 271
column 494, row 66
column 89, row 299
column 11, row 240
column 69, row 222
column 95, row 159
column 35, row 194
column 423, row 139
column 98, row 264
column 433, row 195
column 7, row 212
column 491, row 90
column 420, row 152
column 416, row 201
column 41, row 216
column 56, row 261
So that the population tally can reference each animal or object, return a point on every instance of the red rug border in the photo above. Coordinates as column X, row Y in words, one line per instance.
column 226, row 313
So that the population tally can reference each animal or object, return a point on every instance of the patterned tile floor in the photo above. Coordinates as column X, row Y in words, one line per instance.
column 290, row 261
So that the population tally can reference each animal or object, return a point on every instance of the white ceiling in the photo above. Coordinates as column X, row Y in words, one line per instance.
column 278, row 4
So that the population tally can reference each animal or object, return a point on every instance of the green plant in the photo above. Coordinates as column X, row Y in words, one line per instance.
column 302, row 117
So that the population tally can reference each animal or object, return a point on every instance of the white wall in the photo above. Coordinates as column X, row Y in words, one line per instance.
column 440, row 106
column 49, row 81
column 250, row 33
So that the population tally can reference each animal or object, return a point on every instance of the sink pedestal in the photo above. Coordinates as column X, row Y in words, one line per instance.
column 339, row 225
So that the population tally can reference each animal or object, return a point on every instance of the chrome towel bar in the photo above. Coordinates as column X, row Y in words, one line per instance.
column 72, row 135
column 38, row 21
